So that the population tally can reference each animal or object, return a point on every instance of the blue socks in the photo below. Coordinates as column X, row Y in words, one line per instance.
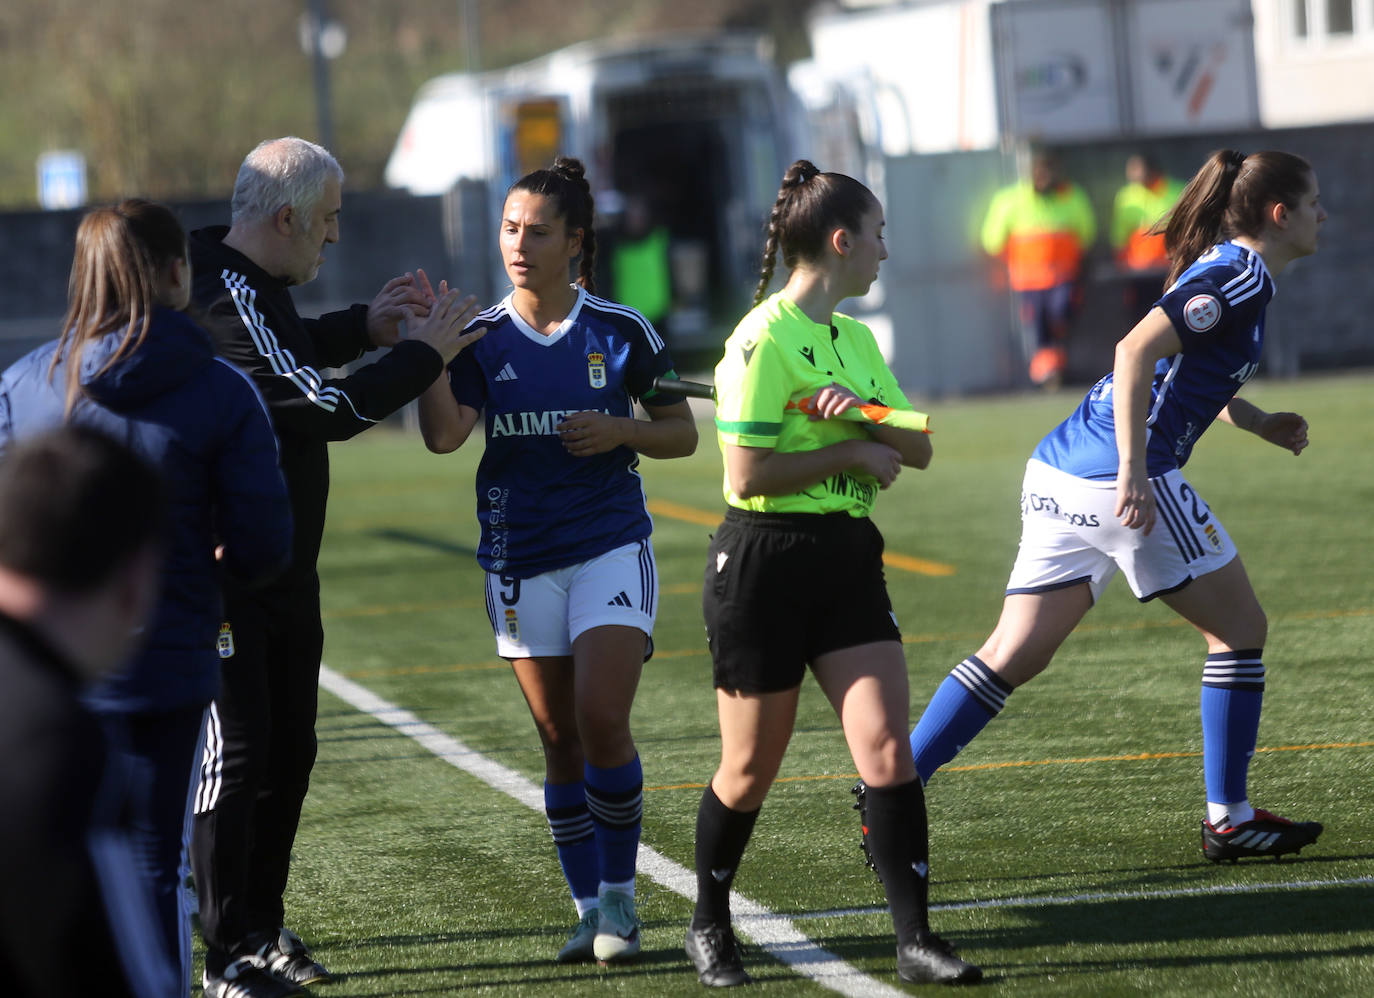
column 615, row 798
column 565, row 805
column 970, row 697
column 1232, row 691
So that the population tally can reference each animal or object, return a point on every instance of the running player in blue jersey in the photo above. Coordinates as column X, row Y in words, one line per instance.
column 1105, row 491
column 572, row 590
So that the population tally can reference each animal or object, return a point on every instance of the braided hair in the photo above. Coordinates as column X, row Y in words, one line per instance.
column 810, row 206
column 565, row 184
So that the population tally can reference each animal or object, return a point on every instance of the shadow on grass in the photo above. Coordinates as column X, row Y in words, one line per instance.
column 426, row 541
column 1191, row 925
column 652, row 965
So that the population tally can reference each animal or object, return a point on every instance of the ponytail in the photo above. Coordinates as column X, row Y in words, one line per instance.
column 1231, row 196
column 810, row 205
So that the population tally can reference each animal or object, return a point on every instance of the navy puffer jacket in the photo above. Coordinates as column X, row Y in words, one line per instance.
column 200, row 420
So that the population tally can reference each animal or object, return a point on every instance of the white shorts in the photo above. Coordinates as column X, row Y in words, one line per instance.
column 1070, row 534
column 542, row 616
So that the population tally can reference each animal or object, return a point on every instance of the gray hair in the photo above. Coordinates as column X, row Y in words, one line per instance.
column 281, row 172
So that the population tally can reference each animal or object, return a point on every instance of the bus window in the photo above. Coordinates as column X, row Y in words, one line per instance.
column 538, row 134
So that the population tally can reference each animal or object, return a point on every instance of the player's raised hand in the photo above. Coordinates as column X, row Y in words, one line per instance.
column 427, row 289
column 1285, row 429
column 442, row 326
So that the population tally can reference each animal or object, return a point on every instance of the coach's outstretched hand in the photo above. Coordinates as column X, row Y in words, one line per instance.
column 387, row 310
column 442, row 327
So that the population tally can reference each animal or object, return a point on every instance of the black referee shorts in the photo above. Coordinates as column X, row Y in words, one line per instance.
column 784, row 588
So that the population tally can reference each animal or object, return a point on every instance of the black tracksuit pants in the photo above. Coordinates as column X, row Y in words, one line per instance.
column 260, row 748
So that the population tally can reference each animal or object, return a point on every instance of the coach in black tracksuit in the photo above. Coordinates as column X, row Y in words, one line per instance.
column 261, row 737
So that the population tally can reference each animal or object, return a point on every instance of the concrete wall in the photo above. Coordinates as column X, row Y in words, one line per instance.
column 951, row 320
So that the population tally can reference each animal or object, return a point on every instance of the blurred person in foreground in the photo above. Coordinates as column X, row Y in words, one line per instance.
column 130, row 362
column 81, row 521
column 1041, row 227
column 260, row 742
column 1139, row 214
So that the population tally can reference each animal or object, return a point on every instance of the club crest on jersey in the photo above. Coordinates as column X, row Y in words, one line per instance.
column 1213, row 538
column 596, row 369
column 512, row 624
column 224, row 644
column 1201, row 313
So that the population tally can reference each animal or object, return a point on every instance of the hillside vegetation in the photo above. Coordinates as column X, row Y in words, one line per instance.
column 164, row 97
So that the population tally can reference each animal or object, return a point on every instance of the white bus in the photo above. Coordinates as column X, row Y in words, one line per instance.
column 697, row 128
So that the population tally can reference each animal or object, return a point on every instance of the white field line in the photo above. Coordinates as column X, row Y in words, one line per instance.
column 773, row 933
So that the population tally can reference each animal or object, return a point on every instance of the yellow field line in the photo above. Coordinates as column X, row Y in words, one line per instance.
column 909, row 639
column 920, row 566
column 691, row 514
column 383, row 609
column 688, row 514
column 422, row 670
column 1077, row 761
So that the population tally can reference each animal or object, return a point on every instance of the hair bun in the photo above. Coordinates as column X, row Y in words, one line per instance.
column 800, row 172
column 570, row 167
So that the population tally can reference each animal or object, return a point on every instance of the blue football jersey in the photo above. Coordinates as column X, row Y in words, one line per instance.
column 540, row 507
column 1217, row 307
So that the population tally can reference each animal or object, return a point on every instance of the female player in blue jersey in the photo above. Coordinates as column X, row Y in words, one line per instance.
column 572, row 589
column 1105, row 491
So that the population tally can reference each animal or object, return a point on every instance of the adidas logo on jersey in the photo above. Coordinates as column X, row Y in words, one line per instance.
column 620, row 600
column 507, row 373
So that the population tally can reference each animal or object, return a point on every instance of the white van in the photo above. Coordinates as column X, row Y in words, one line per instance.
column 697, row 129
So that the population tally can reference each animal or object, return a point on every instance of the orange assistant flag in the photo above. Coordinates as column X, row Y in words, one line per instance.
column 871, row 412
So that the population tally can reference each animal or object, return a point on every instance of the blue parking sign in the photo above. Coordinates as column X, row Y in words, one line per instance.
column 62, row 179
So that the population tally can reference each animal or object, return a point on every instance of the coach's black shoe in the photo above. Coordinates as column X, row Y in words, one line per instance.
column 246, row 978
column 860, row 792
column 1265, row 834
column 715, row 954
column 284, row 956
column 933, row 961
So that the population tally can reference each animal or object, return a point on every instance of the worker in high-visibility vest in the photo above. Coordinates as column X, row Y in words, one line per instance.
column 1141, row 208
column 1042, row 227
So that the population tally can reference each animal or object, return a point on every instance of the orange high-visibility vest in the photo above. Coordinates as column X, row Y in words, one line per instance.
column 1137, row 208
column 1041, row 236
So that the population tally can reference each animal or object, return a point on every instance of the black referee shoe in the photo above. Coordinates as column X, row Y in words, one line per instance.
column 715, row 954
column 933, row 961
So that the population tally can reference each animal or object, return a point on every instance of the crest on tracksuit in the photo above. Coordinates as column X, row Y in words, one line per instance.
column 596, row 369
column 224, row 644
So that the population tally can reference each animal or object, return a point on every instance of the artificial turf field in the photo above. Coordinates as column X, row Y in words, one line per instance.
column 1064, row 841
